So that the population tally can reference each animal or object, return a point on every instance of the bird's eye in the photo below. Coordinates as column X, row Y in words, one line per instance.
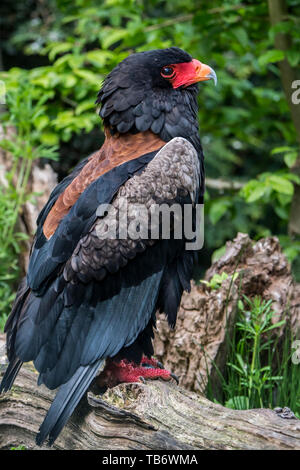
column 168, row 72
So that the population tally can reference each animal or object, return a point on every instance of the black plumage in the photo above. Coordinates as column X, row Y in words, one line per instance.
column 146, row 100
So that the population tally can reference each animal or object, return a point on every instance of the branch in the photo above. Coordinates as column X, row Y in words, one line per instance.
column 155, row 416
column 221, row 185
column 190, row 16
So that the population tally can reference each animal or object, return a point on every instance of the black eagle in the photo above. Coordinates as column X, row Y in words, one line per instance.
column 89, row 299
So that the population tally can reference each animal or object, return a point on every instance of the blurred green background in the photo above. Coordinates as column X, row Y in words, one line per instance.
column 55, row 53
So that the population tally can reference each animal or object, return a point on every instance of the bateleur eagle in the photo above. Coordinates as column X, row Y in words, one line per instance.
column 88, row 299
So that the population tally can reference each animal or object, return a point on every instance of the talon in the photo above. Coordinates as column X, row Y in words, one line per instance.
column 175, row 378
column 151, row 362
column 142, row 379
column 147, row 366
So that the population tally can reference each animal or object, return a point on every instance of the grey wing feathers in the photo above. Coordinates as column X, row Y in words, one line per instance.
column 107, row 248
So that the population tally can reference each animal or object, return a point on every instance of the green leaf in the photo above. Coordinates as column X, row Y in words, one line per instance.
column 113, row 36
column 60, row 48
column 99, row 58
column 49, row 138
column 280, row 184
column 84, row 106
column 290, row 154
column 241, row 35
column 270, row 56
column 63, row 119
column 293, row 177
column 19, row 447
column 68, row 80
column 217, row 254
column 89, row 76
column 281, row 150
column 254, row 190
column 276, row 325
column 41, row 122
column 293, row 57
column 290, row 158
column 218, row 208
column 282, row 212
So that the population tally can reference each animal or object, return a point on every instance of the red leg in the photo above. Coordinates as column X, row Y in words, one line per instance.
column 125, row 371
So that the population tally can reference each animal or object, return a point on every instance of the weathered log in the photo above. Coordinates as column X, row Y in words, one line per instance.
column 152, row 416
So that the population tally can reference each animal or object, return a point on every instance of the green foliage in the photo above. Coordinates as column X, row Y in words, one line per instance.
column 217, row 280
column 260, row 371
column 21, row 126
column 19, row 447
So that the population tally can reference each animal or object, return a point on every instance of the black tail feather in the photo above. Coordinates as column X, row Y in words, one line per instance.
column 65, row 402
column 10, row 374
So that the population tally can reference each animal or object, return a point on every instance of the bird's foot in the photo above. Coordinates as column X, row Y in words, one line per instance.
column 124, row 371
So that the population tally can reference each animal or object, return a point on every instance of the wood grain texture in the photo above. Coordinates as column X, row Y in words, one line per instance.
column 117, row 149
column 152, row 416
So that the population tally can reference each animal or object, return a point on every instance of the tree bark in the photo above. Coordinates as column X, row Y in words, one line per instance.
column 152, row 416
column 278, row 12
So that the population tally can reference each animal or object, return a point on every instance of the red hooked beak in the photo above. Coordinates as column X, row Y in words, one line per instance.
column 192, row 72
column 203, row 72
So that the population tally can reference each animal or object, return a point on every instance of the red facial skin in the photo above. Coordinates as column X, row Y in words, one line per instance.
column 188, row 73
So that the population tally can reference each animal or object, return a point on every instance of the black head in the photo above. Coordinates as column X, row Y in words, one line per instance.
column 154, row 90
